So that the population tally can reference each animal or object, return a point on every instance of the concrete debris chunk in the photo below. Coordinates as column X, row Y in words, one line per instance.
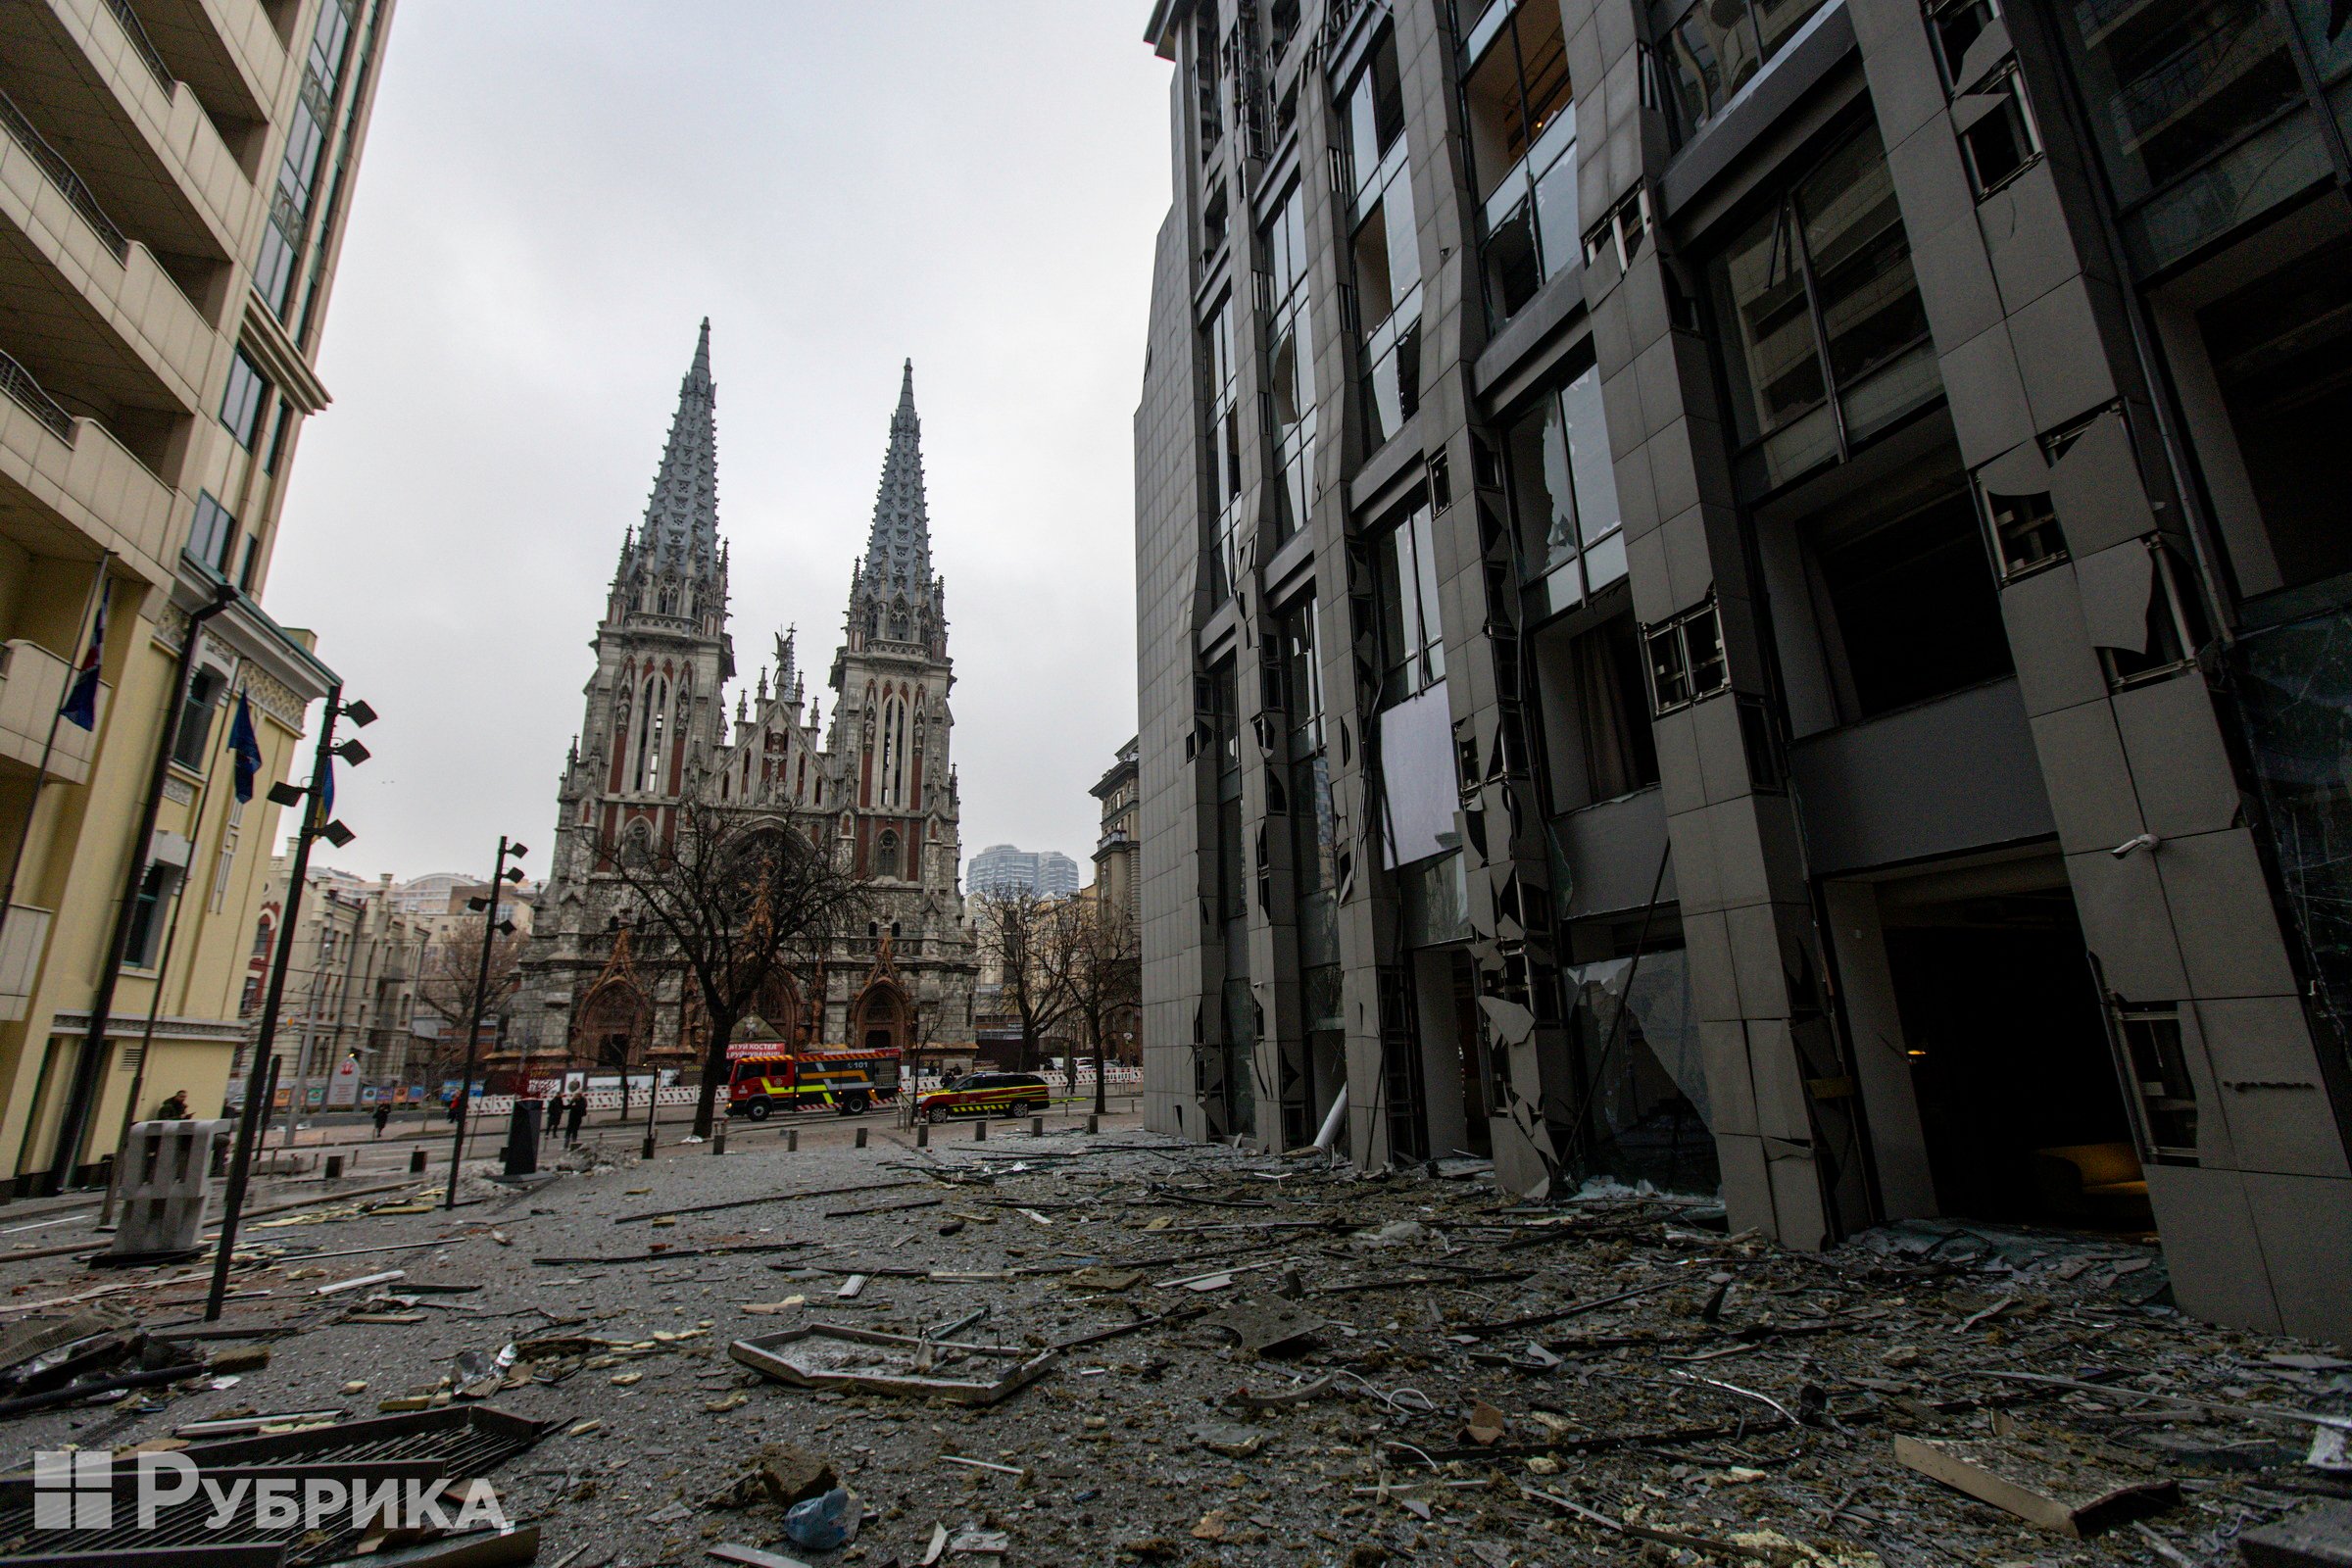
column 2319, row 1535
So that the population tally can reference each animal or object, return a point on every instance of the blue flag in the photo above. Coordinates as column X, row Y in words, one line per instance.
column 81, row 706
column 326, row 794
column 245, row 749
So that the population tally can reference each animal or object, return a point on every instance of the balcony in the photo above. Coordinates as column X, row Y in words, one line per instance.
column 32, row 683
column 227, row 50
column 90, row 79
column 67, row 486
column 94, row 313
column 20, row 946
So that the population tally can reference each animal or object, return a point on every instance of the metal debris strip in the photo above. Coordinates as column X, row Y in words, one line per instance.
column 832, row 1355
column 769, row 1198
column 458, row 1442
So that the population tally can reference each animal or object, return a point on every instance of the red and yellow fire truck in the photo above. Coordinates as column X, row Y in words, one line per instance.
column 766, row 1077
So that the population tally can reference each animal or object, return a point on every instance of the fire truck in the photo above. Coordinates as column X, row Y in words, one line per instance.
column 765, row 1077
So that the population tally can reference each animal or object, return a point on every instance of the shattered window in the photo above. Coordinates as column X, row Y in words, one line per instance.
column 2295, row 692
column 1641, row 1080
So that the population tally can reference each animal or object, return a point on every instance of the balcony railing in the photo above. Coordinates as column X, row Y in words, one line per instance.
column 61, row 175
column 139, row 41
column 18, row 383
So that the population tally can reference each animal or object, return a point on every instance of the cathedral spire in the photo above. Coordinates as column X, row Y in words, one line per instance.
column 681, row 519
column 898, row 553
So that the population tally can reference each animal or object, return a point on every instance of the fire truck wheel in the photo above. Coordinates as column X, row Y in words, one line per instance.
column 852, row 1105
column 758, row 1109
column 936, row 1114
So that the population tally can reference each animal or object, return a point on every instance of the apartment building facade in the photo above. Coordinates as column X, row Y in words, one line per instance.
column 353, row 1021
column 1742, row 596
column 1118, row 851
column 172, row 183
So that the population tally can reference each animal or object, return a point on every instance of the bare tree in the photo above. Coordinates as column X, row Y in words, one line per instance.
column 449, row 980
column 1016, row 938
column 733, row 899
column 1096, row 963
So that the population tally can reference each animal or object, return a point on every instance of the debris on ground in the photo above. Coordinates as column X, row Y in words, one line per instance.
column 1115, row 1349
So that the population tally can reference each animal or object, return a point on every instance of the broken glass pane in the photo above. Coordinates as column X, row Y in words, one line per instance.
column 1644, row 1085
column 2295, row 692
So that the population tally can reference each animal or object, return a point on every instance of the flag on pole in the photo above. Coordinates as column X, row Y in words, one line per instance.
column 326, row 794
column 81, row 706
column 245, row 748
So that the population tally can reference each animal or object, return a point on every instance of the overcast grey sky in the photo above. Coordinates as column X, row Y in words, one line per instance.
column 554, row 195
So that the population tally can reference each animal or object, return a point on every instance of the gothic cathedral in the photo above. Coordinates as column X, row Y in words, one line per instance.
column 877, row 780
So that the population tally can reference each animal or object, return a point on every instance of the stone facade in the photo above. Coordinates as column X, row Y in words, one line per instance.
column 875, row 782
column 1736, row 595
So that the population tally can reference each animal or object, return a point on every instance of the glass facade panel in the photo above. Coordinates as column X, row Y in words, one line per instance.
column 1565, row 490
column 1405, row 582
column 2199, row 111
column 1290, row 361
column 1520, row 113
column 1829, row 337
column 1861, row 261
column 2295, row 694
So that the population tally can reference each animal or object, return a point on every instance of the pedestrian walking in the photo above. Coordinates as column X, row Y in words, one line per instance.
column 574, row 1115
column 457, row 1107
column 383, row 1116
column 552, row 1111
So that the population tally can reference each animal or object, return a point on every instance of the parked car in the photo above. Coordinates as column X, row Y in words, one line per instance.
column 985, row 1094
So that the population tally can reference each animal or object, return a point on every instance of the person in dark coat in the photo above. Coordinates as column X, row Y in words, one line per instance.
column 575, row 1114
column 551, row 1112
column 383, row 1116
column 174, row 1109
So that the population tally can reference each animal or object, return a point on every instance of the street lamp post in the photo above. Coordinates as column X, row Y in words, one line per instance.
column 492, row 926
column 315, row 800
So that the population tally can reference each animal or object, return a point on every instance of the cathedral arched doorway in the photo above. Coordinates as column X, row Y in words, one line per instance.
column 778, row 1009
column 880, row 1019
column 613, row 1024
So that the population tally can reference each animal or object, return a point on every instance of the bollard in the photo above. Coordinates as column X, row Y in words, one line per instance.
column 719, row 1139
column 980, row 1130
column 1037, row 1126
column 923, row 1135
column 1094, row 1124
column 860, row 1137
column 334, row 1167
column 416, row 1162
column 792, row 1139
column 649, row 1148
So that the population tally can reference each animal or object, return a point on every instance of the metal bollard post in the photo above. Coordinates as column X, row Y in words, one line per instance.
column 923, row 1135
column 416, row 1162
column 649, row 1148
column 1037, row 1126
column 334, row 1167
column 860, row 1137
column 792, row 1139
column 1094, row 1124
column 719, row 1139
column 980, row 1130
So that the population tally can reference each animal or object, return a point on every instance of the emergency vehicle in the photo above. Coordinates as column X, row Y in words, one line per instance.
column 985, row 1094
column 765, row 1077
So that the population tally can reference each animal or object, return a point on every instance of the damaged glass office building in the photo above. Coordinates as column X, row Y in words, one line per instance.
column 1751, row 595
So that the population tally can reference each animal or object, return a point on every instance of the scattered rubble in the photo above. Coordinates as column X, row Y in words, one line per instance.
column 1117, row 1351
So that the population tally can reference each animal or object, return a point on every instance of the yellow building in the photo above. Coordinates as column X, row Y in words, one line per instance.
column 174, row 178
